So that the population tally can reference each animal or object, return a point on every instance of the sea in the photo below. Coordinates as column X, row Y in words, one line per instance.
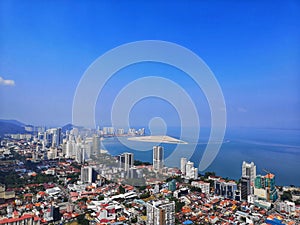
column 272, row 150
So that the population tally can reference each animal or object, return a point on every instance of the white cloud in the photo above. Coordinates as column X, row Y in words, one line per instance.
column 7, row 82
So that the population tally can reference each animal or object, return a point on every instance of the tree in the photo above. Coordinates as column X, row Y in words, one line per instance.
column 82, row 220
column 207, row 174
column 177, row 178
column 195, row 189
column 84, row 199
column 134, row 220
column 145, row 195
column 121, row 189
column 178, row 206
column 141, row 188
column 286, row 196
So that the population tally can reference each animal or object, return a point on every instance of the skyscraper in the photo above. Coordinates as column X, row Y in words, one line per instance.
column 70, row 149
column 158, row 158
column 249, row 170
column 245, row 188
column 191, row 171
column 183, row 162
column 96, row 144
column 88, row 175
column 247, row 180
column 265, row 187
column 126, row 161
column 161, row 213
column 80, row 153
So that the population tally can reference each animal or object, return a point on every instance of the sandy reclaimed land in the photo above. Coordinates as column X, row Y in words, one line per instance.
column 160, row 139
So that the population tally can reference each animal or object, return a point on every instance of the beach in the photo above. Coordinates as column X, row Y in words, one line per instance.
column 158, row 139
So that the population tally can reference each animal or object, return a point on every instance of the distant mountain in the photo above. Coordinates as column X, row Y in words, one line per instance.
column 69, row 126
column 11, row 127
column 16, row 127
column 15, row 122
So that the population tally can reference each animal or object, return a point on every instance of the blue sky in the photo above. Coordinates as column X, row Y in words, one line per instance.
column 253, row 48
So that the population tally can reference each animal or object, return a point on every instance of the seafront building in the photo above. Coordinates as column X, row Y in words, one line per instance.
column 191, row 171
column 183, row 162
column 245, row 188
column 247, row 180
column 249, row 170
column 265, row 188
column 188, row 170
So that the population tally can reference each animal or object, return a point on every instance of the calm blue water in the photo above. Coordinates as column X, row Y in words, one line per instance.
column 277, row 151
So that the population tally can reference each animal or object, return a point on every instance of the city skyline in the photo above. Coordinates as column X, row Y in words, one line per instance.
column 252, row 52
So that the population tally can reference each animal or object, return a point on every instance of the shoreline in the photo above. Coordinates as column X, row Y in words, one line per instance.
column 159, row 139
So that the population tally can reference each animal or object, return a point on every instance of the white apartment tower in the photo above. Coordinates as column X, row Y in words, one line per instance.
column 158, row 158
column 183, row 162
column 191, row 171
column 249, row 170
column 86, row 174
column 126, row 161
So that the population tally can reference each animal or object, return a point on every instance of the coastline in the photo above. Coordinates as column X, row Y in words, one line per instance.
column 157, row 139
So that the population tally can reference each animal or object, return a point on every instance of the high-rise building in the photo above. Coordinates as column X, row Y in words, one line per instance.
column 87, row 150
column 265, row 188
column 40, row 136
column 52, row 153
column 70, row 149
column 88, row 174
column 53, row 137
column 191, row 171
column 126, row 161
column 158, row 158
column 141, row 131
column 59, row 136
column 120, row 131
column 161, row 213
column 183, row 162
column 96, row 144
column 249, row 170
column 131, row 131
column 245, row 188
column 108, row 131
column 80, row 153
column 225, row 189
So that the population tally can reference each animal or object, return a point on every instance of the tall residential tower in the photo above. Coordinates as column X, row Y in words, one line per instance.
column 158, row 158
column 249, row 170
